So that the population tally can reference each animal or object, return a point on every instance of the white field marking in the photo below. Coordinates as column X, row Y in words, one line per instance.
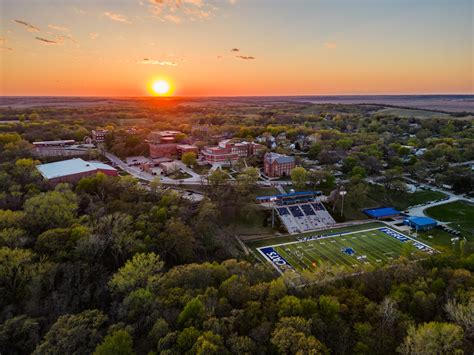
column 270, row 260
column 413, row 240
column 323, row 237
column 346, row 233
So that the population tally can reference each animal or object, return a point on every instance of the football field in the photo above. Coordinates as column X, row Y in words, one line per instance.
column 376, row 246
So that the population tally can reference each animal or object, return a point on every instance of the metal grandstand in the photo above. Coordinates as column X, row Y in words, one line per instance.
column 299, row 211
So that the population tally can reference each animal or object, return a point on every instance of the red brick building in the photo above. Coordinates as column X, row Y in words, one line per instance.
column 98, row 135
column 164, row 144
column 72, row 170
column 228, row 151
column 158, row 150
column 277, row 165
column 186, row 148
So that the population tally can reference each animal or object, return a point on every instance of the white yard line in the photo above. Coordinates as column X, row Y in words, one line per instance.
column 341, row 234
column 323, row 237
column 429, row 247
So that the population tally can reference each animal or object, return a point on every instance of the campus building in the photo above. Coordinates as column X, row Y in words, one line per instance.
column 382, row 212
column 228, row 151
column 420, row 223
column 58, row 143
column 163, row 137
column 165, row 144
column 72, row 170
column 277, row 165
column 98, row 135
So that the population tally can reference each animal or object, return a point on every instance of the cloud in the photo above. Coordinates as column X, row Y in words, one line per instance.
column 59, row 28
column 157, row 62
column 29, row 26
column 172, row 18
column 3, row 47
column 93, row 35
column 178, row 11
column 330, row 45
column 244, row 57
column 117, row 17
column 47, row 41
column 79, row 11
column 235, row 50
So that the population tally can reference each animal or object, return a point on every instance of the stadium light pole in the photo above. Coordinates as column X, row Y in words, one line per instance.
column 273, row 199
column 342, row 193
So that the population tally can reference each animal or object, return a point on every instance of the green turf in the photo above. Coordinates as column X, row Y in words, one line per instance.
column 402, row 200
column 291, row 237
column 377, row 247
column 459, row 215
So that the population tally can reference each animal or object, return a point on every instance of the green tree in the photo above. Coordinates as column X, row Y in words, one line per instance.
column 358, row 171
column 292, row 335
column 19, row 335
column 192, row 313
column 136, row 273
column 16, row 270
column 247, row 180
column 74, row 334
column 118, row 343
column 53, row 209
column 433, row 338
column 189, row 159
column 299, row 177
column 314, row 150
column 209, row 343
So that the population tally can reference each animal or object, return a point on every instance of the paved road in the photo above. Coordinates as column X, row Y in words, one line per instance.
column 136, row 172
column 420, row 210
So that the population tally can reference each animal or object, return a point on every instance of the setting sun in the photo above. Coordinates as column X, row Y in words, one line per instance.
column 161, row 87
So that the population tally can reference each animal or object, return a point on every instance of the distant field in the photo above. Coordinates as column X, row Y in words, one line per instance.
column 408, row 113
column 402, row 200
column 459, row 214
column 133, row 121
column 351, row 250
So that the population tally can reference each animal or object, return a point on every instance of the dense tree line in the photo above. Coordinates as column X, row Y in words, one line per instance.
column 109, row 266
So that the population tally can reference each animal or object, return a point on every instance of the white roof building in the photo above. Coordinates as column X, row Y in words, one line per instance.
column 71, row 167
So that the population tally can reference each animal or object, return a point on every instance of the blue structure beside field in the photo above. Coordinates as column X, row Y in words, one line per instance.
column 381, row 213
column 421, row 223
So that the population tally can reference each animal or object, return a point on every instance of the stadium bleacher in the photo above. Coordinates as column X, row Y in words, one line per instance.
column 296, row 211
column 307, row 210
column 304, row 217
column 282, row 211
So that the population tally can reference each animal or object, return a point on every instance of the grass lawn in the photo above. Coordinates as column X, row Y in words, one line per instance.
column 408, row 113
column 266, row 191
column 402, row 200
column 440, row 239
column 202, row 169
column 350, row 250
column 179, row 175
column 459, row 215
column 290, row 238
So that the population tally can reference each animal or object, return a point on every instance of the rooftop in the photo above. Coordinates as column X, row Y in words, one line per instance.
column 279, row 158
column 70, row 167
column 381, row 212
column 422, row 221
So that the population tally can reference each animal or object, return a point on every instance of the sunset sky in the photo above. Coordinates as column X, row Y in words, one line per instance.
column 239, row 47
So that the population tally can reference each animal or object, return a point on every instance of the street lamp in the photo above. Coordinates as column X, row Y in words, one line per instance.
column 272, row 201
column 342, row 193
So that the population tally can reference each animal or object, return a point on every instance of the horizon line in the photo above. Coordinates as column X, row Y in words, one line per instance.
column 237, row 96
